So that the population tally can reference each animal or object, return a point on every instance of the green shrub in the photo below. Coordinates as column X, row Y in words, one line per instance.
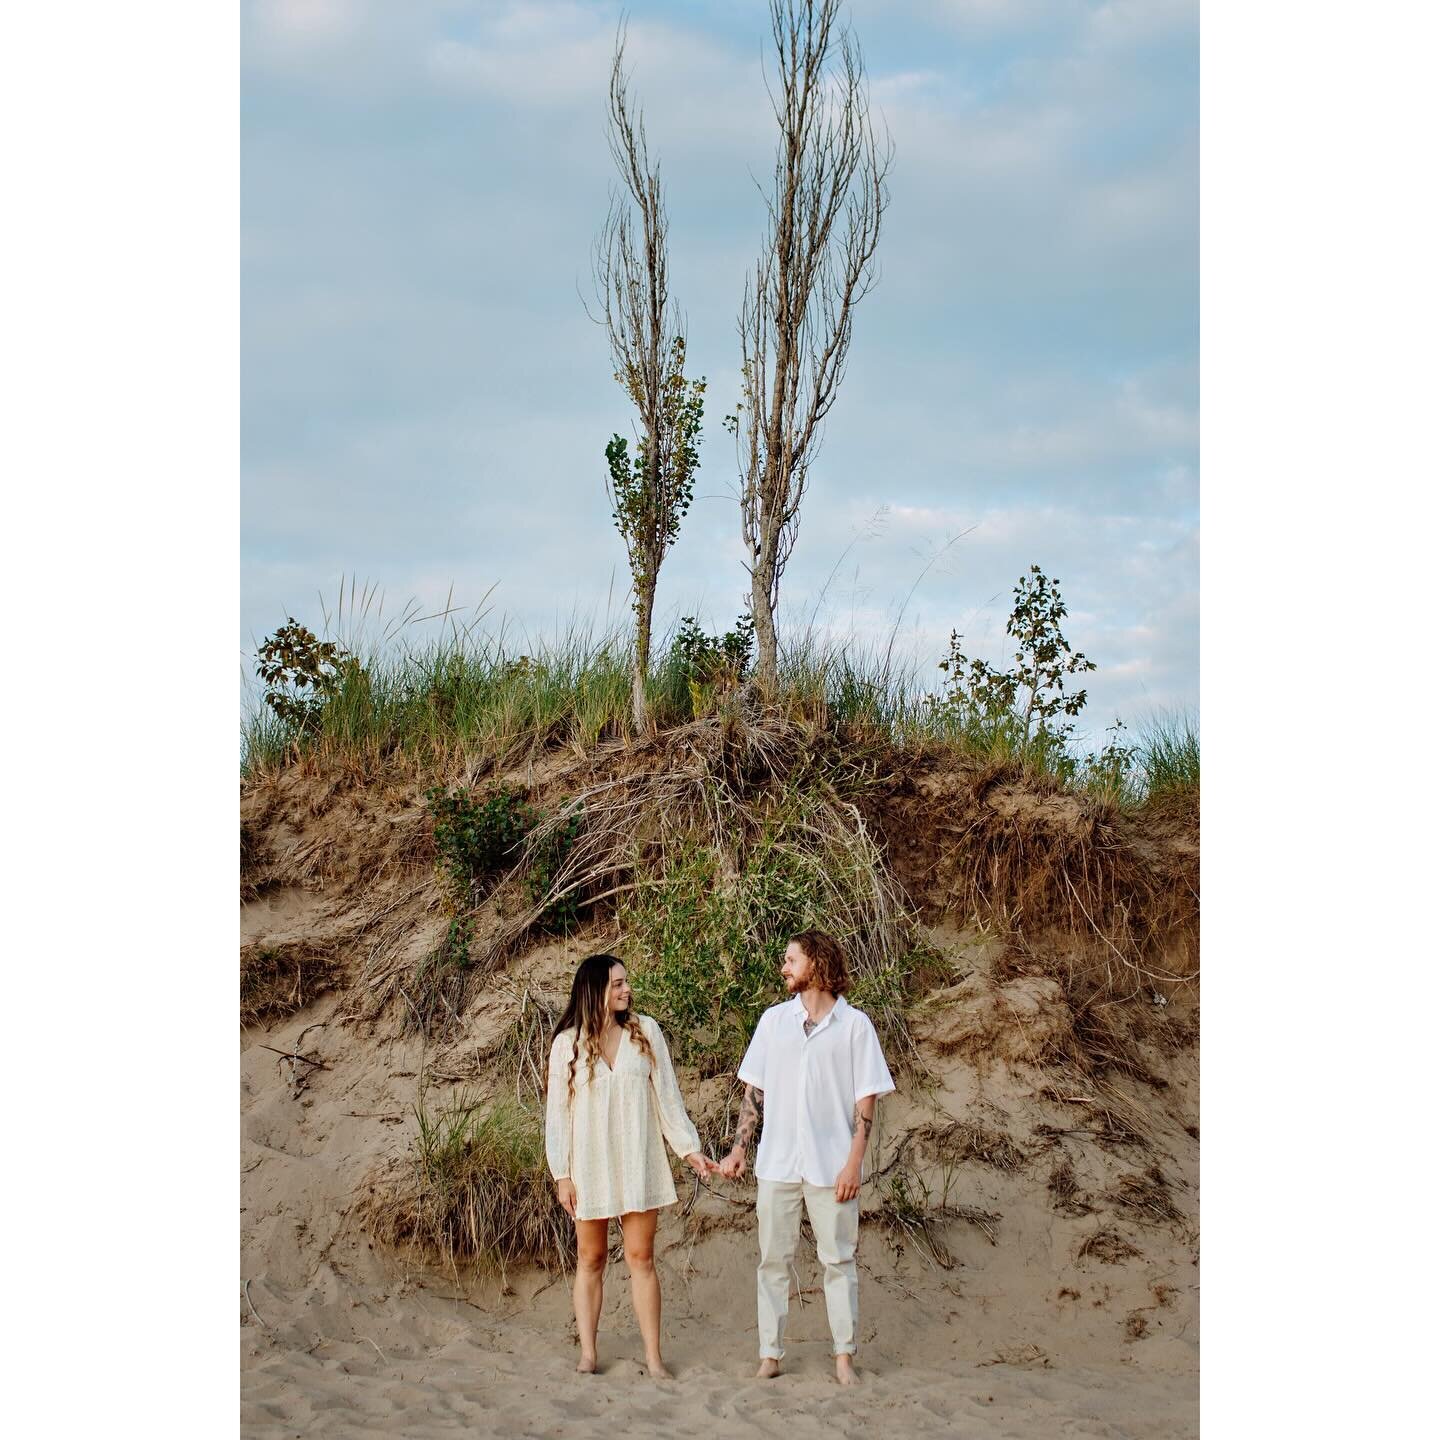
column 563, row 914
column 475, row 838
column 705, row 939
column 698, row 666
column 705, row 658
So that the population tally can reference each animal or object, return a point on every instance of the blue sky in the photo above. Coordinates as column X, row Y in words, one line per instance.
column 425, row 403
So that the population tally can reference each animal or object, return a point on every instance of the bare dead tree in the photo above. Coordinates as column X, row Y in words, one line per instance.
column 816, row 264
column 651, row 490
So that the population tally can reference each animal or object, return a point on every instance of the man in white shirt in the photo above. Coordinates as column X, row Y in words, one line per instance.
column 815, row 1066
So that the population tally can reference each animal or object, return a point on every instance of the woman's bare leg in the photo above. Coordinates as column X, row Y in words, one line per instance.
column 638, row 1228
column 592, row 1239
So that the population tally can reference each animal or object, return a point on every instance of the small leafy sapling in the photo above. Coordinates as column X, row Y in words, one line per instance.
column 651, row 491
column 1110, row 768
column 301, row 672
column 1031, row 694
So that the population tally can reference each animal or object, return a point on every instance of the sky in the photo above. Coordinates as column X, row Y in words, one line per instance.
column 425, row 403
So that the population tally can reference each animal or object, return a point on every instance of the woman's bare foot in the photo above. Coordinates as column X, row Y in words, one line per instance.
column 768, row 1370
column 845, row 1370
column 658, row 1369
column 586, row 1366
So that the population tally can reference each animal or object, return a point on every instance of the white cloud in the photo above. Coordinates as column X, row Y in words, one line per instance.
column 308, row 22
column 530, row 54
column 1123, row 25
column 1007, row 15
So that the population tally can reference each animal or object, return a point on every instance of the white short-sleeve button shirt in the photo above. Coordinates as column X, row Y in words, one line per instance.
column 811, row 1085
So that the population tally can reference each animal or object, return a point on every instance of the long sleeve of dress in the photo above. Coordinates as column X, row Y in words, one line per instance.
column 558, row 1107
column 674, row 1121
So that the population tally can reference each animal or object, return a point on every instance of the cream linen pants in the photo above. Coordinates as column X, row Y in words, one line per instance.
column 837, row 1228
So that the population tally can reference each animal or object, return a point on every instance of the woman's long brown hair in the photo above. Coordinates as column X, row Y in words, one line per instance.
column 586, row 1012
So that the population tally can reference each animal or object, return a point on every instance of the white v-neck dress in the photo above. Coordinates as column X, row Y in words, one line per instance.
column 608, row 1138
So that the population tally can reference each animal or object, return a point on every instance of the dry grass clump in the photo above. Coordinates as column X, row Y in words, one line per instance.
column 1065, row 1193
column 1055, row 1011
column 1094, row 1099
column 1116, row 1026
column 1096, row 914
column 521, row 1051
column 909, row 1209
column 1179, row 1032
column 474, row 1190
column 1020, row 1355
column 310, row 825
column 909, row 1212
column 698, row 1225
column 745, row 811
column 278, row 980
column 438, row 987
column 1147, row 1197
column 965, row 1140
column 1108, row 1246
column 515, row 1057
column 945, row 1148
column 254, row 861
column 1016, row 847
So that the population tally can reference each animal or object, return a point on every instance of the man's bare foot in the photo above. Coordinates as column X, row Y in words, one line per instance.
column 845, row 1370
column 658, row 1370
column 586, row 1366
column 768, row 1370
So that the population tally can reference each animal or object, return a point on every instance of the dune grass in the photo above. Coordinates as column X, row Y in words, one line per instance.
column 425, row 700
column 474, row 1190
column 279, row 980
column 1169, row 759
column 468, row 690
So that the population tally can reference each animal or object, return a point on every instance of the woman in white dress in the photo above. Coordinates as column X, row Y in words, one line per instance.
column 612, row 1094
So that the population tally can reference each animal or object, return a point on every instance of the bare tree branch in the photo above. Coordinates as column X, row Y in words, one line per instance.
column 652, row 490
column 817, row 262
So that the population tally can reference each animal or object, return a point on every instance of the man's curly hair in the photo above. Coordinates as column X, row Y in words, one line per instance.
column 830, row 971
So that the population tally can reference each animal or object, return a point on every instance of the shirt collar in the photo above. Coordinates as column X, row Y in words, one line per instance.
column 796, row 1004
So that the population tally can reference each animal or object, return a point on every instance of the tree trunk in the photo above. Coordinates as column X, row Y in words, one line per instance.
column 639, row 710
column 767, row 661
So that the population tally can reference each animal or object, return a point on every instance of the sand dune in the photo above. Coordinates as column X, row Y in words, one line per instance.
column 1076, row 1315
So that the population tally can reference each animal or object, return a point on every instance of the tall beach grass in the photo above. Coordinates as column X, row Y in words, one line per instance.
column 427, row 688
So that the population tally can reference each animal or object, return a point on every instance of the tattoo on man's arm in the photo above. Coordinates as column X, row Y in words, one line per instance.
column 865, row 1120
column 750, row 1109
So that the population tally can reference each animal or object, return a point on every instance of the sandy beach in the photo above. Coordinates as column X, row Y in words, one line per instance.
column 1023, row 1337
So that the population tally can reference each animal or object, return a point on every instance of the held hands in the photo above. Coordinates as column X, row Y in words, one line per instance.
column 847, row 1183
column 565, row 1194
column 701, row 1164
column 732, row 1167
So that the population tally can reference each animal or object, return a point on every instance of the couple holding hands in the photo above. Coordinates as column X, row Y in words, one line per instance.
column 814, row 1068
